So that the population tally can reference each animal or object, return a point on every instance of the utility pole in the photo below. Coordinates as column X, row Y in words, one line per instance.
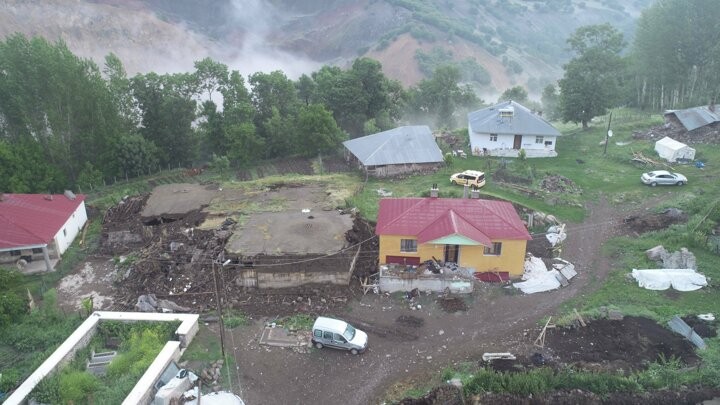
column 608, row 134
column 219, row 311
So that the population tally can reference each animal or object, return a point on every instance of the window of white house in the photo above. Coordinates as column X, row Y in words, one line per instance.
column 539, row 139
column 548, row 143
column 493, row 137
column 65, row 232
column 494, row 250
column 408, row 245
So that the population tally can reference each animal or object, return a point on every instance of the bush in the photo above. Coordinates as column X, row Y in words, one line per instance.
column 76, row 386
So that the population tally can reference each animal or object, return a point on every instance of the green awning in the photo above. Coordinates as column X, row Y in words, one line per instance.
column 455, row 239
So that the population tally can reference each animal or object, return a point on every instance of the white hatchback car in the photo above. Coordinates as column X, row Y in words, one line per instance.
column 663, row 177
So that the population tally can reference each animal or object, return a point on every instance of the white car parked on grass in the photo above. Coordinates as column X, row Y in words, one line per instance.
column 663, row 177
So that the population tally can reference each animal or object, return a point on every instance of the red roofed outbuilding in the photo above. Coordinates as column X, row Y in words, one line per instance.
column 39, row 226
column 485, row 235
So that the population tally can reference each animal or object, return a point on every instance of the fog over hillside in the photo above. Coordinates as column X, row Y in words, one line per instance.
column 513, row 42
column 146, row 40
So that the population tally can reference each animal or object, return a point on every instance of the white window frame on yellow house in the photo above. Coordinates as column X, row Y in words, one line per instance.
column 412, row 242
column 494, row 250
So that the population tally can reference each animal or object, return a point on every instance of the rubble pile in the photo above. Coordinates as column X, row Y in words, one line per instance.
column 709, row 134
column 559, row 184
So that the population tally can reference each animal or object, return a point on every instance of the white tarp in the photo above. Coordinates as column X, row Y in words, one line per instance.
column 672, row 150
column 538, row 277
column 662, row 279
column 556, row 234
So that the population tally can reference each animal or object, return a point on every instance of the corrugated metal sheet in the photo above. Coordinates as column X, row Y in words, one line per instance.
column 409, row 144
column 522, row 122
column 679, row 326
column 696, row 117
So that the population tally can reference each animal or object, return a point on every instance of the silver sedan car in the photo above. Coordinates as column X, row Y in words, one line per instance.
column 663, row 177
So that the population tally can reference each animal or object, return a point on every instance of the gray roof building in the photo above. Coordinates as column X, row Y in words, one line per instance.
column 402, row 145
column 509, row 118
column 696, row 117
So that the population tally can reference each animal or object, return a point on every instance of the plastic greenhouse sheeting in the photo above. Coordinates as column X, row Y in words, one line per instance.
column 662, row 279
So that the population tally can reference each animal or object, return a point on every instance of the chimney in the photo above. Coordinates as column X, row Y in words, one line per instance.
column 69, row 194
column 475, row 193
column 2, row 196
column 465, row 191
column 434, row 191
column 49, row 197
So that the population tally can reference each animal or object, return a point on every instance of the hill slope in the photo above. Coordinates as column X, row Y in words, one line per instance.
column 516, row 42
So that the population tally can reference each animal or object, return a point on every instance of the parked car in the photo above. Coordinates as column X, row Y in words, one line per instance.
column 469, row 177
column 338, row 335
column 663, row 177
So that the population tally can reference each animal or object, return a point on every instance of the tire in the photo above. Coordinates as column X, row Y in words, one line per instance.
column 680, row 183
column 318, row 345
column 354, row 351
column 653, row 184
column 453, row 182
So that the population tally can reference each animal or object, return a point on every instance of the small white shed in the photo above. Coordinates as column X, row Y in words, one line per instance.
column 672, row 150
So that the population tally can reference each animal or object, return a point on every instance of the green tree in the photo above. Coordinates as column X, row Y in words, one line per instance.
column 592, row 80
column 134, row 156
column 318, row 130
column 550, row 100
column 676, row 54
column 441, row 96
column 517, row 94
column 168, row 111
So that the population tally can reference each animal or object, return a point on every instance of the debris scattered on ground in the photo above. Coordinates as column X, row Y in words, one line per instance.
column 662, row 279
column 682, row 328
column 708, row 134
column 703, row 325
column 150, row 303
column 496, row 356
column 538, row 278
column 556, row 235
column 384, row 193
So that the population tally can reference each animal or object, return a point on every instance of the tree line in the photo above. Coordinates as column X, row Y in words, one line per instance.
column 65, row 122
column 673, row 63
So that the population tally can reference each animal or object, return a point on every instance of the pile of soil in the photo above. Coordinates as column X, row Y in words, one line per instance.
column 655, row 221
column 704, row 329
column 559, row 184
column 441, row 395
column 689, row 396
column 452, row 304
column 539, row 246
column 611, row 345
column 504, row 176
column 411, row 321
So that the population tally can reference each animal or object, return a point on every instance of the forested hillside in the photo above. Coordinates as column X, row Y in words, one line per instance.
column 66, row 121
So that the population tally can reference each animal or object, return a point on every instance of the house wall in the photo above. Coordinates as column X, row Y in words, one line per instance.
column 511, row 259
column 67, row 233
column 478, row 141
column 395, row 170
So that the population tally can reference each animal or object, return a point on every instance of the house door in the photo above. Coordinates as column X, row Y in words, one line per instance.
column 451, row 253
column 517, row 142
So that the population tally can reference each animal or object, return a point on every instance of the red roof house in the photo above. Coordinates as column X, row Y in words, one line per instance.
column 34, row 224
column 486, row 235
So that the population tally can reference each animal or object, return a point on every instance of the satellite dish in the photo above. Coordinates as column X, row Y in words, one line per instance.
column 609, row 133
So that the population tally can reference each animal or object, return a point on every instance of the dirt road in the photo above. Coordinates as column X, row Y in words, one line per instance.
column 498, row 319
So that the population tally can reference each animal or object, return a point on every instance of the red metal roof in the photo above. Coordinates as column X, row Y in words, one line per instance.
column 434, row 218
column 33, row 219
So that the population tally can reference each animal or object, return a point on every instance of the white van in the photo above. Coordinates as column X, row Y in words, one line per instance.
column 338, row 335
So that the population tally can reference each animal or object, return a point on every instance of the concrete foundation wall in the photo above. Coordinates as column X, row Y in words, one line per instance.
column 435, row 284
column 296, row 279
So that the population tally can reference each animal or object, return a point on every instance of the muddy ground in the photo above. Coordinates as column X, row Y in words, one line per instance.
column 407, row 345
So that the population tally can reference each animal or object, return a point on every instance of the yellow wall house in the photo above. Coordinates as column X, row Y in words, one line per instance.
column 485, row 235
